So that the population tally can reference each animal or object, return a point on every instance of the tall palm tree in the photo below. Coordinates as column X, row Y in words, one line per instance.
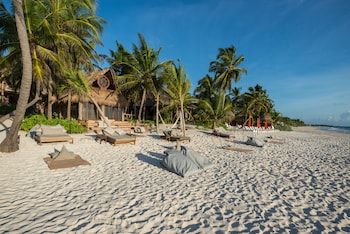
column 177, row 87
column 226, row 67
column 10, row 143
column 62, row 34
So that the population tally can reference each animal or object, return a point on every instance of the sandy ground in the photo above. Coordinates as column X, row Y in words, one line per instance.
column 300, row 186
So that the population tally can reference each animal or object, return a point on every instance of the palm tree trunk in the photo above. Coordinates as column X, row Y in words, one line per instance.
column 11, row 142
column 69, row 104
column 157, row 113
column 49, row 97
column 99, row 110
column 2, row 91
column 141, row 105
column 182, row 119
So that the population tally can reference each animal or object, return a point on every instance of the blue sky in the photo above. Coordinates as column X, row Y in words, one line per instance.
column 298, row 50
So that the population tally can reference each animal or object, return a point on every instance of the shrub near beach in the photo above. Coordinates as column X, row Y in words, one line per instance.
column 71, row 126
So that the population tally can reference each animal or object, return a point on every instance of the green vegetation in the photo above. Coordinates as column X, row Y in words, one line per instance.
column 5, row 109
column 70, row 29
column 71, row 126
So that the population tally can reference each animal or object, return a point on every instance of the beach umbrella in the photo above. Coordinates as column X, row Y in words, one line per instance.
column 258, row 123
column 249, row 122
column 266, row 124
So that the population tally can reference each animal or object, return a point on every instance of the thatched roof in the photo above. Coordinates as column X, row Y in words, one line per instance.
column 104, row 90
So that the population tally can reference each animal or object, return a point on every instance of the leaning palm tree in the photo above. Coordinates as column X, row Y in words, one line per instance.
column 61, row 32
column 10, row 143
column 79, row 84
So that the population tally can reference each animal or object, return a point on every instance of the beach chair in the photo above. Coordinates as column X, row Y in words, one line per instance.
column 172, row 135
column 221, row 132
column 116, row 136
column 45, row 134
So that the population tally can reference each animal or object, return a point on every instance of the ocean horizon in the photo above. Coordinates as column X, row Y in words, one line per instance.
column 338, row 129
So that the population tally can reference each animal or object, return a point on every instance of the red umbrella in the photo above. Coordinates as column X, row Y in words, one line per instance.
column 265, row 124
column 249, row 122
column 258, row 123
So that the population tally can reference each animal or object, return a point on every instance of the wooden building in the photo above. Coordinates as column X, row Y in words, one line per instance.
column 104, row 90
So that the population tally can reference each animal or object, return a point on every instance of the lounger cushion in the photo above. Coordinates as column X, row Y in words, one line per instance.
column 51, row 130
column 119, row 131
column 180, row 164
column 109, row 131
column 64, row 154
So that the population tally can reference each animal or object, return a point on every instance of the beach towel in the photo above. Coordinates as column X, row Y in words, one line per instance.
column 64, row 159
column 228, row 147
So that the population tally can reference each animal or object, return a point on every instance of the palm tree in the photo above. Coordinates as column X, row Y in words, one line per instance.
column 226, row 68
column 10, row 143
column 143, row 68
column 205, row 88
column 257, row 102
column 210, row 101
column 177, row 86
column 78, row 83
column 62, row 34
column 214, row 109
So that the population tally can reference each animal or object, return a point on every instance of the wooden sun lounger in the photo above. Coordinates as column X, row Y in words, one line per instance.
column 52, row 138
column 168, row 137
column 115, row 140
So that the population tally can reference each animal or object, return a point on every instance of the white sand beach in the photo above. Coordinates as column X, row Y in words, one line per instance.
column 302, row 185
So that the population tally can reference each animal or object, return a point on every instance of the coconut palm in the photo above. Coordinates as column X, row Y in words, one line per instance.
column 79, row 84
column 10, row 143
column 214, row 109
column 205, row 88
column 143, row 66
column 177, row 86
column 61, row 33
column 226, row 68
column 257, row 101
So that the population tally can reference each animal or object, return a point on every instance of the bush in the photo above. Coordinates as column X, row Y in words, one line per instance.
column 283, row 127
column 5, row 109
column 71, row 126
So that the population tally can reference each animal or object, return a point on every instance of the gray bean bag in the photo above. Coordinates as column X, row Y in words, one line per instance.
column 255, row 142
column 201, row 161
column 180, row 164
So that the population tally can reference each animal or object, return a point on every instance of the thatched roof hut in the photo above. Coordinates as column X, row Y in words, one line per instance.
column 104, row 90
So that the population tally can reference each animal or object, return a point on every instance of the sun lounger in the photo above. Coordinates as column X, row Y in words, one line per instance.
column 170, row 136
column 221, row 132
column 116, row 136
column 51, row 134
